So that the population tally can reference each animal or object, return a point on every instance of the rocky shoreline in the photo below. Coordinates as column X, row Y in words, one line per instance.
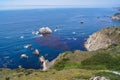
column 103, row 39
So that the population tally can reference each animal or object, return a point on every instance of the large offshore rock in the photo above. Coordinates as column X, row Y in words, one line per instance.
column 45, row 30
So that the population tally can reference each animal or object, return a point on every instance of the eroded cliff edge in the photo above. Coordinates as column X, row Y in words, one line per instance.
column 103, row 38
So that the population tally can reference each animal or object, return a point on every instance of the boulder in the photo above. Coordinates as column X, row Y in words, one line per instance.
column 24, row 56
column 36, row 52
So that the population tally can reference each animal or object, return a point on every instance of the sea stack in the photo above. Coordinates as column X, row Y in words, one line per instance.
column 45, row 30
column 116, row 16
column 103, row 39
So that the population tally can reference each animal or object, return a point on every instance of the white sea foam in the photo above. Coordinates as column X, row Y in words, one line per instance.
column 35, row 32
column 74, row 38
column 28, row 45
column 41, row 35
column 21, row 37
column 55, row 30
column 73, row 32
column 6, row 57
column 68, row 38
column 38, row 36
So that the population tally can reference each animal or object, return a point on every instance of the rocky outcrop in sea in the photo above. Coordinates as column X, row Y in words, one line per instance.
column 45, row 30
column 103, row 39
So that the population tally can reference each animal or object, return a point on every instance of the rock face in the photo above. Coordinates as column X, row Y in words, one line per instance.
column 49, row 64
column 116, row 16
column 46, row 64
column 103, row 39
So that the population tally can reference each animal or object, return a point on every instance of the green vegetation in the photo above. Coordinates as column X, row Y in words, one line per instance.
column 82, row 77
column 103, row 61
column 67, row 74
column 107, row 59
column 7, row 78
column 61, row 64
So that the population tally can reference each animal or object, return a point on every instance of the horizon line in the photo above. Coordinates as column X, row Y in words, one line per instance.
column 22, row 7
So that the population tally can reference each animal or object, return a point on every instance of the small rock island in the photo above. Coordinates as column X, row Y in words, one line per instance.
column 45, row 30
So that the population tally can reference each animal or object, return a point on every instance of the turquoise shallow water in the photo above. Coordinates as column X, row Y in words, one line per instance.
column 16, row 27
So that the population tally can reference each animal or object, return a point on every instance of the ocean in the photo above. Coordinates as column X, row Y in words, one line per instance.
column 74, row 25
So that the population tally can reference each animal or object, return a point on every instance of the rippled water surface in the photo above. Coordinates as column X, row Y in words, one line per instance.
column 16, row 27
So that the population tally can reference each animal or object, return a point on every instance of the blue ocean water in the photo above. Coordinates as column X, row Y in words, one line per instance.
column 16, row 27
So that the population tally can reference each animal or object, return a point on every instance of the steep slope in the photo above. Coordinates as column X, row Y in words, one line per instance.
column 103, row 39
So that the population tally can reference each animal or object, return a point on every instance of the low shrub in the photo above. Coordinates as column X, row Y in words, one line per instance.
column 61, row 64
column 102, row 61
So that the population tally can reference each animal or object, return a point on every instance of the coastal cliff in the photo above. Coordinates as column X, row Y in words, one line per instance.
column 103, row 39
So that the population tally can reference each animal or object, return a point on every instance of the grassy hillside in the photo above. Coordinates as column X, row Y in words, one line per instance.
column 71, row 74
column 107, row 59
